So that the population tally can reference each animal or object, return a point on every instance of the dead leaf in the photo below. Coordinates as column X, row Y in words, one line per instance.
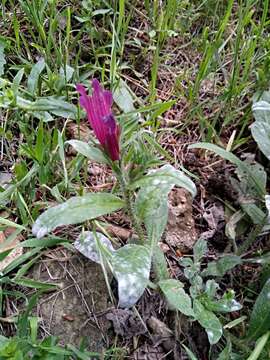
column 149, row 352
column 79, row 132
column 162, row 334
column 15, row 253
column 126, row 323
column 118, row 231
column 5, row 179
column 213, row 216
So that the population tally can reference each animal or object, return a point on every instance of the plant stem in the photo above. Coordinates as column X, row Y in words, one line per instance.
column 130, row 208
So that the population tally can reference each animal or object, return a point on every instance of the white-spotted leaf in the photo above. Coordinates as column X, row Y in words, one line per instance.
column 224, row 305
column 87, row 245
column 209, row 321
column 166, row 175
column 131, row 267
column 152, row 208
column 176, row 296
column 260, row 129
column 76, row 210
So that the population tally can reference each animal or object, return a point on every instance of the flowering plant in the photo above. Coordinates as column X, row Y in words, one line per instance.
column 142, row 193
column 98, row 109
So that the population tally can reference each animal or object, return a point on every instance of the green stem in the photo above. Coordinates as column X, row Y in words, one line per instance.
column 130, row 208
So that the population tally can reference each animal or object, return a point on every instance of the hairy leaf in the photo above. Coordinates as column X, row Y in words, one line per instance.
column 88, row 151
column 151, row 207
column 260, row 129
column 225, row 305
column 166, row 175
column 76, row 210
column 56, row 106
column 176, row 296
column 33, row 78
column 221, row 266
column 87, row 245
column 209, row 321
column 131, row 267
column 199, row 250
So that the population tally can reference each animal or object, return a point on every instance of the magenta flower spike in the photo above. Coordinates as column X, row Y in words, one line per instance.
column 99, row 113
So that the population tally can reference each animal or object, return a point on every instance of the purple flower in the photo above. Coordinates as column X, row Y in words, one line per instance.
column 99, row 112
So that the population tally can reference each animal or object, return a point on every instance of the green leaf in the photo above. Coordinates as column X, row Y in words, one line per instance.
column 61, row 152
column 7, row 222
column 131, row 267
column 260, row 129
column 56, row 106
column 151, row 203
column 151, row 207
column 221, row 266
column 176, row 296
column 189, row 353
column 34, row 284
column 2, row 58
column 33, row 78
column 20, row 260
column 122, row 97
column 209, row 321
column 260, row 317
column 262, row 260
column 260, row 344
column 166, row 175
column 225, row 305
column 254, row 178
column 246, row 186
column 88, row 151
column 199, row 250
column 254, row 212
column 87, row 245
column 226, row 352
column 48, row 242
column 76, row 210
column 17, row 80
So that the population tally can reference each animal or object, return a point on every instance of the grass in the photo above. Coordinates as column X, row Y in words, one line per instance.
column 191, row 67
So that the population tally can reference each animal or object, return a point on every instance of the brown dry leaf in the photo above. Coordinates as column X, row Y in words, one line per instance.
column 79, row 132
column 15, row 253
column 149, row 352
column 125, row 323
column 213, row 216
column 118, row 231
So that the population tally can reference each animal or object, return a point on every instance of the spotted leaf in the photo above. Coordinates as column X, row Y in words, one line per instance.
column 131, row 267
column 90, row 245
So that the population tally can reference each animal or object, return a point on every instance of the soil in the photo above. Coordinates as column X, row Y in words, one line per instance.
column 71, row 312
column 180, row 233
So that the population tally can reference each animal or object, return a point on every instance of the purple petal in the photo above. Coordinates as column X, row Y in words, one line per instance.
column 92, row 112
column 98, row 108
column 112, row 137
